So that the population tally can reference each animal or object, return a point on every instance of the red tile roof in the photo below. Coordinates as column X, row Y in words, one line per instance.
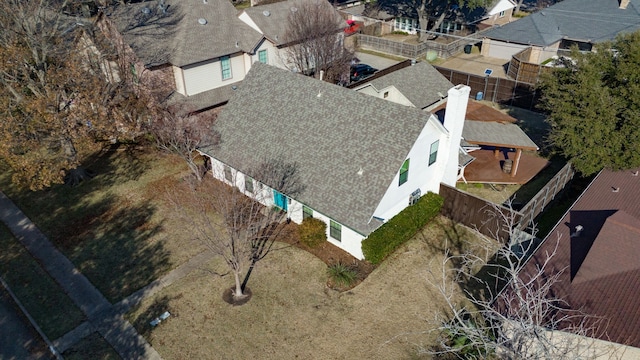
column 604, row 258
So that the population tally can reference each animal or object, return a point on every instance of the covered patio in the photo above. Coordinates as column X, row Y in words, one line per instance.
column 486, row 168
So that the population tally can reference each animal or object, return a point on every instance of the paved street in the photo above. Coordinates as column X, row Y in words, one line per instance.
column 18, row 340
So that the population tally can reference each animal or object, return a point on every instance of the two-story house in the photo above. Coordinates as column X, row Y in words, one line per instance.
column 361, row 159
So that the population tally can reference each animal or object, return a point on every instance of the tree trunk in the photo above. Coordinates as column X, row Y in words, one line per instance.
column 438, row 22
column 423, row 21
column 246, row 277
column 518, row 6
column 239, row 288
column 77, row 175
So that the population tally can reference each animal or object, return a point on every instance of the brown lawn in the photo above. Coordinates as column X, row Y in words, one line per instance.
column 293, row 314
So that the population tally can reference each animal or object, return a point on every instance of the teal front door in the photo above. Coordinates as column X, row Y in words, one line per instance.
column 280, row 200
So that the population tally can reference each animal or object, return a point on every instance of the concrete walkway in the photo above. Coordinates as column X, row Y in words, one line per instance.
column 101, row 315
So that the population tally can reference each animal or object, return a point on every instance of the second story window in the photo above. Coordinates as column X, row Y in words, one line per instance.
column 404, row 172
column 225, row 64
column 262, row 56
column 433, row 152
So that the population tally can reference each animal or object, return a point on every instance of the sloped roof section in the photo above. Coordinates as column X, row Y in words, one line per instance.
column 618, row 242
column 582, row 20
column 272, row 19
column 603, row 275
column 497, row 134
column 420, row 83
column 333, row 134
column 183, row 32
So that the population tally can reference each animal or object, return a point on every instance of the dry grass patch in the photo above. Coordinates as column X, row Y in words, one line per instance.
column 293, row 314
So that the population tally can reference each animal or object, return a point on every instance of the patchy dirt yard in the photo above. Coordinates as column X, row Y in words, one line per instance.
column 294, row 315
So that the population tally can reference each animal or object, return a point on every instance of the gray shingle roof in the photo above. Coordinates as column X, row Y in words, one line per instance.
column 496, row 133
column 420, row 83
column 177, row 37
column 584, row 20
column 331, row 133
column 274, row 26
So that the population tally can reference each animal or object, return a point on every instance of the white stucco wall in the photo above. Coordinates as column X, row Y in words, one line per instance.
column 455, row 114
column 421, row 175
column 350, row 240
column 207, row 75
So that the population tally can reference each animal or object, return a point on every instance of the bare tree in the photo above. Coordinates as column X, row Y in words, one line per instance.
column 507, row 314
column 59, row 105
column 234, row 223
column 184, row 134
column 314, row 35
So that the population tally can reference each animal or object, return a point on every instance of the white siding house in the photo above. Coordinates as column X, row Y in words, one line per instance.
column 204, row 42
column 271, row 20
column 349, row 149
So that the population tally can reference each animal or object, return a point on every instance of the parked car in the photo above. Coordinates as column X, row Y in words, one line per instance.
column 361, row 71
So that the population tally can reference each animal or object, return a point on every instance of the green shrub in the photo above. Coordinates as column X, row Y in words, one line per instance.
column 313, row 232
column 402, row 227
column 342, row 275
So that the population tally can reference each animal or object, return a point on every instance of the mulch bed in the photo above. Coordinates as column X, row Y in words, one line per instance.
column 328, row 253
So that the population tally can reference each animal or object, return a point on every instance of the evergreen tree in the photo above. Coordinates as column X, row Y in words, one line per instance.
column 594, row 108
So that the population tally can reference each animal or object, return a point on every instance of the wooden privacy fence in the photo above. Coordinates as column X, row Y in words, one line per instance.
column 489, row 218
column 537, row 204
column 504, row 91
column 414, row 51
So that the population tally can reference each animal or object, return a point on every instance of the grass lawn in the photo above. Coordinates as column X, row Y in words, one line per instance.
column 119, row 230
column 293, row 314
column 115, row 228
column 45, row 301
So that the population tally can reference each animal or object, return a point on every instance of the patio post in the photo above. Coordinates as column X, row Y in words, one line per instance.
column 516, row 162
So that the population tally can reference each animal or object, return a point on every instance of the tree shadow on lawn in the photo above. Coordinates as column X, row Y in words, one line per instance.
column 118, row 250
column 109, row 238
column 482, row 284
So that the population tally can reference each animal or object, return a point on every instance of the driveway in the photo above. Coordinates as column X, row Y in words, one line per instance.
column 378, row 62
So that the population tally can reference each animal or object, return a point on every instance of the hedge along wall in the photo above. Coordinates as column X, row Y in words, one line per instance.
column 402, row 227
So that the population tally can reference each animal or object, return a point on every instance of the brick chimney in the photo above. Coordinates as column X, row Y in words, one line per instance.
column 623, row 4
column 455, row 114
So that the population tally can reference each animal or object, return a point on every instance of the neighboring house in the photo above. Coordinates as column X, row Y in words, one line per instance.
column 461, row 19
column 553, row 30
column 375, row 22
column 271, row 21
column 200, row 45
column 419, row 85
column 361, row 159
column 598, row 250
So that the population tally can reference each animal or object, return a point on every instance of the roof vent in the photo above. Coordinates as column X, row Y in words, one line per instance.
column 319, row 94
column 577, row 232
column 266, row 13
column 205, row 1
column 635, row 173
column 360, row 172
column 202, row 21
column 615, row 189
column 294, row 9
column 146, row 10
column 237, row 44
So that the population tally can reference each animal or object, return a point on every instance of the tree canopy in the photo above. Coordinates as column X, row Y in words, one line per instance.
column 593, row 106
column 60, row 98
column 430, row 13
